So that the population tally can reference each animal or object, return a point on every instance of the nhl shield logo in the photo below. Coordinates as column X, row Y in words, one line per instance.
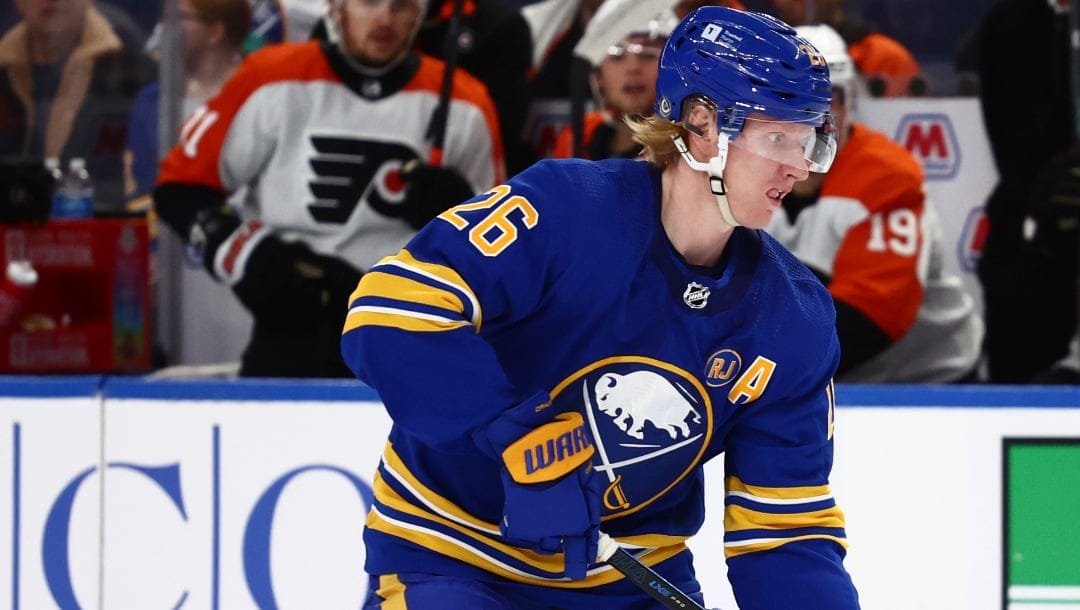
column 696, row 296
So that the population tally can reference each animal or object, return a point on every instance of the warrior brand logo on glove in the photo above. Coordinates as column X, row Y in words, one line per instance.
column 550, row 451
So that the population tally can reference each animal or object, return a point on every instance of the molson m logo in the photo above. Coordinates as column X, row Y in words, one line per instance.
column 931, row 138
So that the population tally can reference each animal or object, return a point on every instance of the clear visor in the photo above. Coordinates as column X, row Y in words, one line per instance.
column 793, row 143
column 619, row 51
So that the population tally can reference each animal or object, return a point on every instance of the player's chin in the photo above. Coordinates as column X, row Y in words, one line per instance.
column 761, row 215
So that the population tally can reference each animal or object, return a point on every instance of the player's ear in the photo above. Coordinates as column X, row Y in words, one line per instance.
column 701, row 120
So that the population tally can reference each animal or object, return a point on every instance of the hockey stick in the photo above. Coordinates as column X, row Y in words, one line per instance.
column 436, row 131
column 645, row 577
column 1074, row 64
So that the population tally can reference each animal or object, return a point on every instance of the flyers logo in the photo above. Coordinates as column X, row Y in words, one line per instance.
column 348, row 171
column 931, row 138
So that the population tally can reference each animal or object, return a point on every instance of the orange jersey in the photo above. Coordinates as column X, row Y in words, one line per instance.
column 874, row 267
column 564, row 145
column 874, row 236
column 320, row 154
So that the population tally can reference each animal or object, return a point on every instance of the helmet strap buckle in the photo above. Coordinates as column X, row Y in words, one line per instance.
column 715, row 170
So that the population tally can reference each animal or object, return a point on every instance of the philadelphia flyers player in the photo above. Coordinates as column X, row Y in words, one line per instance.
column 869, row 231
column 562, row 354
column 329, row 139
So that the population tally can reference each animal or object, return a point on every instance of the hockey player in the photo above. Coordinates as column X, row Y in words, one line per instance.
column 565, row 351
column 624, row 51
column 325, row 135
column 869, row 232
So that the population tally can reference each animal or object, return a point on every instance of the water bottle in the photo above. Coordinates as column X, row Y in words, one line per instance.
column 74, row 197
column 52, row 165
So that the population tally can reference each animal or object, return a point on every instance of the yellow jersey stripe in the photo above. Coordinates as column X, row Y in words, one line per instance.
column 437, row 504
column 392, row 590
column 409, row 290
column 778, row 495
column 739, row 518
column 742, row 547
column 399, row 318
column 437, row 273
column 458, row 549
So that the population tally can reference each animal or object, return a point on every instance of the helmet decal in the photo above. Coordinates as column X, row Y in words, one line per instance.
column 664, row 107
column 743, row 62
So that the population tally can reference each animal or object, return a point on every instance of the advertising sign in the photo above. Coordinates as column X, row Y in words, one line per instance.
column 1042, row 510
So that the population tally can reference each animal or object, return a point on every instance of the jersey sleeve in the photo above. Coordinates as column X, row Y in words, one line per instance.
column 224, row 143
column 418, row 323
column 784, row 533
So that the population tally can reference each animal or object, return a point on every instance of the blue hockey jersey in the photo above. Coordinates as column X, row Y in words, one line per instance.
column 563, row 280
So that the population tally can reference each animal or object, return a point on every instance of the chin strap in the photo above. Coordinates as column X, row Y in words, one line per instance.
column 715, row 169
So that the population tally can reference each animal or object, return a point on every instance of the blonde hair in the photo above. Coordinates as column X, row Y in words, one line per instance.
column 655, row 134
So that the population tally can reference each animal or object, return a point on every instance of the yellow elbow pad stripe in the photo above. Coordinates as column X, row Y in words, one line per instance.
column 767, row 544
column 805, row 494
column 738, row 518
column 550, row 451
column 411, row 291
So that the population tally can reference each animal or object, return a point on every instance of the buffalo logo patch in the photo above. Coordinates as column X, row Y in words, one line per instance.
column 650, row 424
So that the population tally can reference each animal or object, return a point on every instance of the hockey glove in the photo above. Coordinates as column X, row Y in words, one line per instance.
column 210, row 228
column 289, row 288
column 430, row 191
column 552, row 492
column 1055, row 194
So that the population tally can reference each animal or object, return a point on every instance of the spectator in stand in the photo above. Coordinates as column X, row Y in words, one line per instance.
column 889, row 67
column 557, row 28
column 67, row 83
column 868, row 231
column 494, row 45
column 625, row 51
column 325, row 135
column 214, row 32
column 1028, row 268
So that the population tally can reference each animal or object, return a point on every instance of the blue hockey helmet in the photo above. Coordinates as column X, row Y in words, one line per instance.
column 742, row 62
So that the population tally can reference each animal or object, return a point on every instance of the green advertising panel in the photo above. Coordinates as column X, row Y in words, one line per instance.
column 1042, row 524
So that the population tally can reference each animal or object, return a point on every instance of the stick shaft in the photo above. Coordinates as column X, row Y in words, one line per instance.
column 645, row 577
column 436, row 131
